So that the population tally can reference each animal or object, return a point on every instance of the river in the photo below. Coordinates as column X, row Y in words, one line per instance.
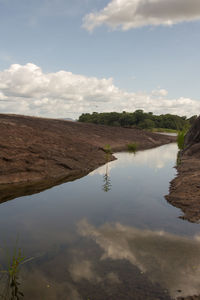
column 107, row 236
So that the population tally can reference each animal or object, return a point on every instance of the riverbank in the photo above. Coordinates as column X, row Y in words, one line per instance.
column 185, row 188
column 49, row 151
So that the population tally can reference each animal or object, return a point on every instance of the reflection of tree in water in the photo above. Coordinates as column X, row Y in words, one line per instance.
column 106, row 181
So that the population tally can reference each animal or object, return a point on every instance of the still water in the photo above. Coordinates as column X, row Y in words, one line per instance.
column 109, row 235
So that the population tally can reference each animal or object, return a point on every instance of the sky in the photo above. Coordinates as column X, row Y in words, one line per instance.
column 62, row 58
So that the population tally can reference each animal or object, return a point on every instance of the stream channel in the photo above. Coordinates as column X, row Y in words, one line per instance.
column 110, row 235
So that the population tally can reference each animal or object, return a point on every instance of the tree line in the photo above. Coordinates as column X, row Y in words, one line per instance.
column 138, row 119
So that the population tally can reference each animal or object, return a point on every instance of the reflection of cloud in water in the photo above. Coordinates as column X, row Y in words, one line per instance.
column 155, row 158
column 57, row 280
column 113, row 277
column 102, row 170
column 83, row 270
column 173, row 261
column 39, row 286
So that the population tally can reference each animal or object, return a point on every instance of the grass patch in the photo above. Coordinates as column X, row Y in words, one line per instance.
column 164, row 130
column 178, row 159
column 107, row 148
column 10, row 278
column 132, row 147
column 180, row 139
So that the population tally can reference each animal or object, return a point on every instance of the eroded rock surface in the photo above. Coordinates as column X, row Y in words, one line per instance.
column 185, row 188
column 36, row 150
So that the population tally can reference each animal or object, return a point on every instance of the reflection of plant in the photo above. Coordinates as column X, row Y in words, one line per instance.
column 11, row 275
column 132, row 147
column 106, row 183
column 178, row 159
column 106, row 180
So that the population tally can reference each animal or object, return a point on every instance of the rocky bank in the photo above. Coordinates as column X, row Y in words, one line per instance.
column 185, row 188
column 36, row 153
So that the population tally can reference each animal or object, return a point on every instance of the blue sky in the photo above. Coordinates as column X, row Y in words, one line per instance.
column 149, row 61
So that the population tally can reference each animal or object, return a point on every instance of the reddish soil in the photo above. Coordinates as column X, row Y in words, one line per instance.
column 36, row 153
column 185, row 188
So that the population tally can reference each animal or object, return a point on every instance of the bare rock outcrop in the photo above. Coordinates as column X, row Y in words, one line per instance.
column 185, row 188
column 36, row 153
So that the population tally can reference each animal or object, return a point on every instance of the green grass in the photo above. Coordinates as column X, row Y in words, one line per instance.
column 180, row 139
column 178, row 159
column 164, row 130
column 12, row 284
column 107, row 148
column 132, row 147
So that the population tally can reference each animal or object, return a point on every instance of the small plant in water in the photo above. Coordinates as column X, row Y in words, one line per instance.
column 11, row 275
column 132, row 147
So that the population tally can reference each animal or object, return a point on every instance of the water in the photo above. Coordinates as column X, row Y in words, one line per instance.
column 168, row 133
column 109, row 235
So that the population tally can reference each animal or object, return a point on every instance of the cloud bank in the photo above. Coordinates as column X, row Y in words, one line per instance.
column 26, row 89
column 128, row 14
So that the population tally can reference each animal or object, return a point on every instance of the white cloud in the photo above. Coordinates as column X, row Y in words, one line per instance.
column 160, row 92
column 128, row 14
column 25, row 89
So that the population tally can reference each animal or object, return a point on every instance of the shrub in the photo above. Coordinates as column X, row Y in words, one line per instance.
column 132, row 147
column 180, row 139
column 107, row 148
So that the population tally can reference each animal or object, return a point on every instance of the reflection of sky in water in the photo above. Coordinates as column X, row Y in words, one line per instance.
column 132, row 221
column 171, row 260
column 155, row 159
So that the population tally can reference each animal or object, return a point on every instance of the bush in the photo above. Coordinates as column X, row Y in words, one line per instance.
column 107, row 148
column 132, row 147
column 180, row 139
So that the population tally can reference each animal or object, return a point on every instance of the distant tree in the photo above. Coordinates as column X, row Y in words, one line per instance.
column 139, row 119
column 147, row 124
column 139, row 116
